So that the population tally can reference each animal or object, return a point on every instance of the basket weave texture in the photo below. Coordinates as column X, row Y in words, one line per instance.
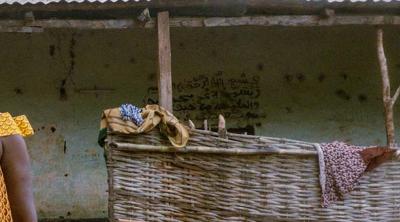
column 239, row 178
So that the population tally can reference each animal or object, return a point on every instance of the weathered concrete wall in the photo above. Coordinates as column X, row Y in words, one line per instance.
column 315, row 84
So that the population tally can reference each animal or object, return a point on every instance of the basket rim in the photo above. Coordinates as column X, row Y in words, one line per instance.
column 204, row 149
column 234, row 144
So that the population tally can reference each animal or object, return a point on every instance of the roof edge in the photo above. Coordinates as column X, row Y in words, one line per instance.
column 113, row 9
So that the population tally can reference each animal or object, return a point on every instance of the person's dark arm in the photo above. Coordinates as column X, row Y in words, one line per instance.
column 16, row 168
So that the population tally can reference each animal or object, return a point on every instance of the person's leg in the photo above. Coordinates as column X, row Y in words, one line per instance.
column 16, row 168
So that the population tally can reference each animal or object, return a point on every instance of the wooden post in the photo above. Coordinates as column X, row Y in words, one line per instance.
column 164, row 62
column 388, row 100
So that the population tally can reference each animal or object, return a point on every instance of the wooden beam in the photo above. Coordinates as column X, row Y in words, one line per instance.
column 164, row 61
column 295, row 21
column 315, row 6
column 22, row 29
column 285, row 21
column 39, row 25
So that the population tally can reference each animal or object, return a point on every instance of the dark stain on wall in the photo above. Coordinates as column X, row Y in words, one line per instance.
column 18, row 91
column 70, row 69
column 152, row 76
column 342, row 94
column 132, row 60
column 321, row 77
column 288, row 78
column 260, row 66
column 72, row 55
column 63, row 91
column 301, row 77
column 53, row 129
column 289, row 109
column 65, row 147
column 52, row 50
column 362, row 98
column 344, row 76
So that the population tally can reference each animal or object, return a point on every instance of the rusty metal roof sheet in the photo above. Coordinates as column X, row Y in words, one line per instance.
column 23, row 2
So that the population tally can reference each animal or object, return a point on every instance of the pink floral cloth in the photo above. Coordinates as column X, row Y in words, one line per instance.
column 343, row 166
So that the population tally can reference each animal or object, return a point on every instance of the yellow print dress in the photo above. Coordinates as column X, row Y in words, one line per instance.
column 10, row 126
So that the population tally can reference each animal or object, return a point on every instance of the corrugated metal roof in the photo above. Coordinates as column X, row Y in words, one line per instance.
column 354, row 1
column 23, row 2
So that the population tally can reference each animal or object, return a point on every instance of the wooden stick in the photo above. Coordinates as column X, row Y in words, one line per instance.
column 396, row 95
column 211, row 150
column 205, row 124
column 388, row 101
column 164, row 62
column 221, row 126
column 191, row 124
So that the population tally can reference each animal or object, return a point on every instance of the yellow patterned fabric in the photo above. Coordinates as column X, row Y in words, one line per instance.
column 14, row 125
column 10, row 126
column 5, row 209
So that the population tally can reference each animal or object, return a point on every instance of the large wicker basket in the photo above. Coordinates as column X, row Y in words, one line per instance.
column 239, row 178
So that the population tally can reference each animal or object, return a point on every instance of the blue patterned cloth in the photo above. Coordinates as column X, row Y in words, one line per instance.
column 130, row 112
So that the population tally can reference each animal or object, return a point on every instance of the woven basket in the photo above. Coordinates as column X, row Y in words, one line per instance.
column 239, row 178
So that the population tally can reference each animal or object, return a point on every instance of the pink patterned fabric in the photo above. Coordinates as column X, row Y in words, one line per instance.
column 343, row 167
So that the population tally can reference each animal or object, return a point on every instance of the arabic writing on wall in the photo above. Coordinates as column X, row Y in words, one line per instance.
column 205, row 96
